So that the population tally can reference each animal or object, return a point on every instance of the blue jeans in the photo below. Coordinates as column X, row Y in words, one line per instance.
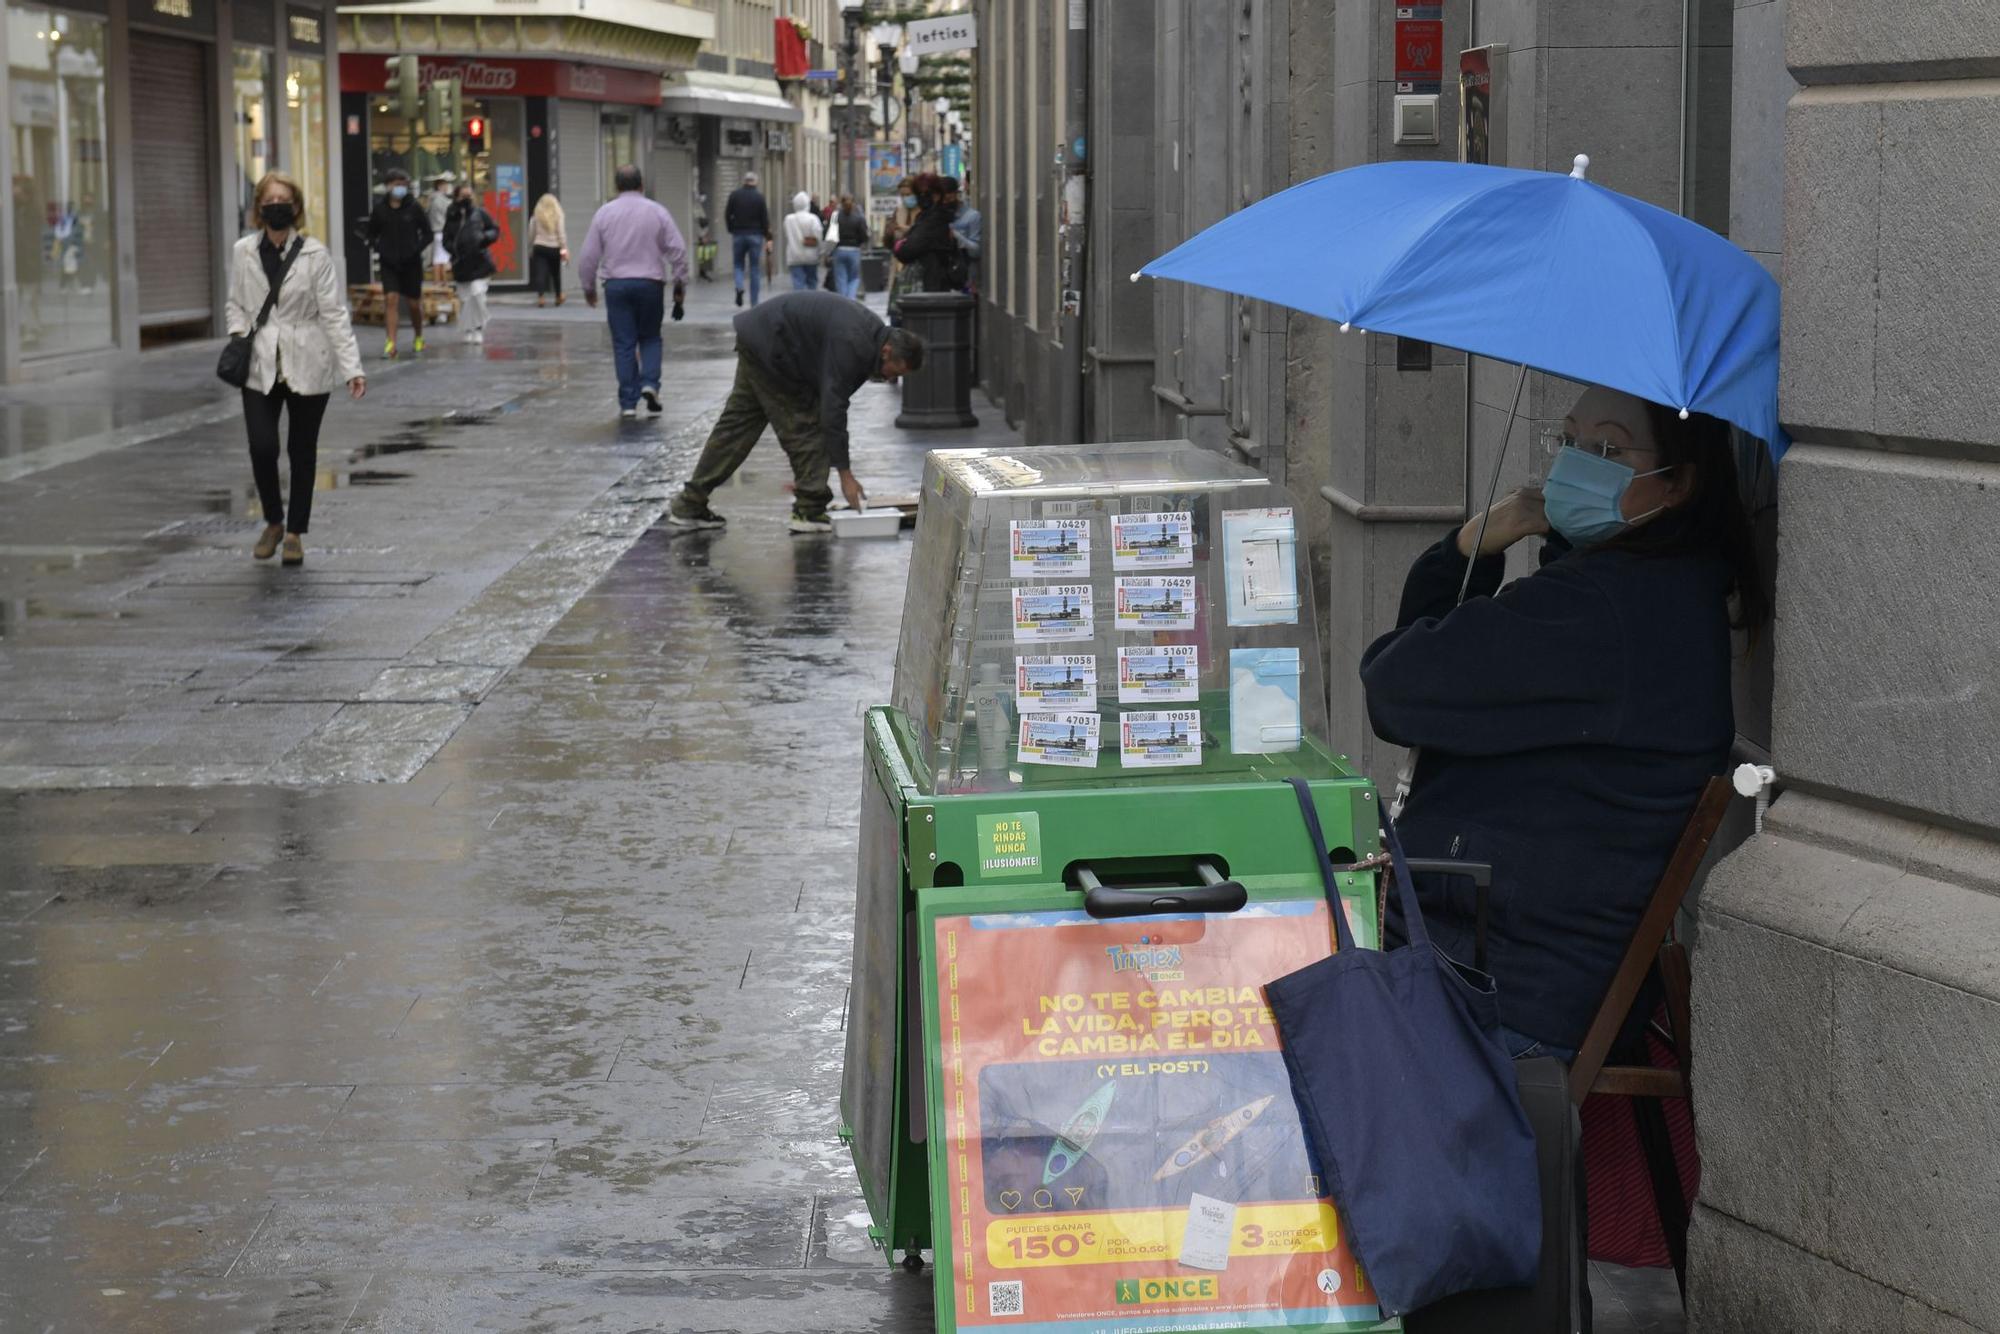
column 847, row 270
column 635, row 306
column 805, row 277
column 750, row 255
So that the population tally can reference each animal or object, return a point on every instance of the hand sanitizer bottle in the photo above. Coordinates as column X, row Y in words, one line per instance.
column 988, row 698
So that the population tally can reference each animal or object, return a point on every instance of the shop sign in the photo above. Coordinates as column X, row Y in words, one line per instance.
column 34, row 104
column 739, row 139
column 932, row 37
column 303, row 27
column 526, row 78
column 174, row 9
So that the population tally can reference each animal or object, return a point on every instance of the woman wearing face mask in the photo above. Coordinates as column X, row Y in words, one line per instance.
column 304, row 348
column 928, row 248
column 1568, row 722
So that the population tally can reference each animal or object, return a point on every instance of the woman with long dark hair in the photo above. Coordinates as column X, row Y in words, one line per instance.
column 1568, row 722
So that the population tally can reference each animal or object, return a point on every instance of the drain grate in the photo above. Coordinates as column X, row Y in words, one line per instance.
column 222, row 523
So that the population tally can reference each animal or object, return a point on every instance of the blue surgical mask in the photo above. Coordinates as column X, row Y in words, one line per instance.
column 909, row 201
column 400, row 191
column 1584, row 496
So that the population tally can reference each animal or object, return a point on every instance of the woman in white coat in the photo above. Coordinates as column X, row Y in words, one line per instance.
column 303, row 351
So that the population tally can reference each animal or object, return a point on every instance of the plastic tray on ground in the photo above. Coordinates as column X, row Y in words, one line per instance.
column 871, row 523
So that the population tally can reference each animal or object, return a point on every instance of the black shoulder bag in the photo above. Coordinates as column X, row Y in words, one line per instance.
column 233, row 366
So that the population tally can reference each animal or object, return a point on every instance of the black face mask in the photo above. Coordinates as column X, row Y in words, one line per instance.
column 279, row 217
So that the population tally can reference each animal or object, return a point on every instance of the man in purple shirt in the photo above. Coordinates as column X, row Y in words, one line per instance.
column 634, row 241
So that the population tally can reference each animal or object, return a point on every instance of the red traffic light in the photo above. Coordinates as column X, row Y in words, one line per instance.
column 475, row 127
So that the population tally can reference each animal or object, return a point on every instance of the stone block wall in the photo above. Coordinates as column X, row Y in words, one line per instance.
column 1847, row 975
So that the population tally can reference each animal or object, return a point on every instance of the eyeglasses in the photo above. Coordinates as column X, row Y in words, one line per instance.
column 1555, row 440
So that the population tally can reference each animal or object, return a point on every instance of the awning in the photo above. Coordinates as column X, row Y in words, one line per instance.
column 700, row 93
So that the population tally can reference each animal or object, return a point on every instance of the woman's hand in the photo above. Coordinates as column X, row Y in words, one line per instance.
column 357, row 386
column 1512, row 518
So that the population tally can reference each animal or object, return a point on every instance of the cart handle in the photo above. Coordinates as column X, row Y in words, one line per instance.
column 1214, row 894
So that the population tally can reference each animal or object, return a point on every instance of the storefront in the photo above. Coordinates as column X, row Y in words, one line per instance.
column 549, row 125
column 131, row 151
column 741, row 123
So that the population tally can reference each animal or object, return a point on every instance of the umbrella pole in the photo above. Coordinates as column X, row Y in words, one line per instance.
column 1520, row 383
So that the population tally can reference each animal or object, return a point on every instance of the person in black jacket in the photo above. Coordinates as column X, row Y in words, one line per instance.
column 469, row 233
column 1568, row 722
column 798, row 362
column 748, row 222
column 400, row 234
column 928, row 247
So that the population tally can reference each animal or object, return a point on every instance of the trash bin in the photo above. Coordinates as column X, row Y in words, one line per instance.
column 939, row 394
column 1078, row 866
column 875, row 270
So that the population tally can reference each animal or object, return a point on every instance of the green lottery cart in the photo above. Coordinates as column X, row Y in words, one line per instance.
column 1079, row 863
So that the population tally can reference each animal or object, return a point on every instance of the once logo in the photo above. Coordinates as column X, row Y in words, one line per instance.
column 1147, row 1291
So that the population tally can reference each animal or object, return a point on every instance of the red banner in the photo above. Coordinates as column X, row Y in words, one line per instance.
column 511, row 78
column 790, row 48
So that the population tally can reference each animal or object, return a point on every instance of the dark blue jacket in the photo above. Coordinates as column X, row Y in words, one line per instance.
column 1567, row 725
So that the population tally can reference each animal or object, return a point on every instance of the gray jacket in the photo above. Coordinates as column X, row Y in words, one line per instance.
column 823, row 346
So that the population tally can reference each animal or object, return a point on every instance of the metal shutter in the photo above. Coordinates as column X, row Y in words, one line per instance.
column 580, row 182
column 671, row 181
column 170, row 134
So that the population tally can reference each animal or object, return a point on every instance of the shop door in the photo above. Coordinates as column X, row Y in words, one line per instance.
column 671, row 181
column 177, row 235
column 579, row 163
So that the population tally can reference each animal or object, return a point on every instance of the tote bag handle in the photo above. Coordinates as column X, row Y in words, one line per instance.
column 1406, row 890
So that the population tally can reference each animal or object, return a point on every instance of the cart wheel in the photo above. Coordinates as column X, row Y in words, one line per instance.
column 913, row 1262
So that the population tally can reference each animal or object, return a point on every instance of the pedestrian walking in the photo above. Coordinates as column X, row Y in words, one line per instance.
column 399, row 230
column 636, row 242
column 437, row 206
column 548, row 249
column 803, row 234
column 304, row 347
column 850, row 236
column 967, row 228
column 798, row 362
column 469, row 234
column 748, row 221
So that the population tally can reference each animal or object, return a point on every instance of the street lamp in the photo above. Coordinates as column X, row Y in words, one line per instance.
column 886, row 37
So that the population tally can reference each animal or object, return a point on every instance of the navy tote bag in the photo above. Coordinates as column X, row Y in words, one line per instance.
column 1410, row 1103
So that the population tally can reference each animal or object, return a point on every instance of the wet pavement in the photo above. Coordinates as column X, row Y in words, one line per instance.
column 541, row 1029
column 454, row 934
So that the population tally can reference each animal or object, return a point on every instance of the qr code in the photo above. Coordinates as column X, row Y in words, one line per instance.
column 1003, row 1298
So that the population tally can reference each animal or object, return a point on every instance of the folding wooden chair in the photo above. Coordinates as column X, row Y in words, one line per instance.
column 1645, row 1084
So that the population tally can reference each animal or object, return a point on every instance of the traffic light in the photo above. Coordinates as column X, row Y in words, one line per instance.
column 437, row 106
column 454, row 110
column 475, row 134
column 402, row 85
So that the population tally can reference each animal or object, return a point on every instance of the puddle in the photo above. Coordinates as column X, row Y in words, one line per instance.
column 17, row 614
column 330, row 481
column 408, row 443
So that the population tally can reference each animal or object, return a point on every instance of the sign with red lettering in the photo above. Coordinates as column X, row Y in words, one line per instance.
column 1121, row 1150
column 517, row 78
column 1419, row 48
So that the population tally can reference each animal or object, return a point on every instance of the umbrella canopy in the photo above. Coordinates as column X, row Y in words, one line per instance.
column 1546, row 270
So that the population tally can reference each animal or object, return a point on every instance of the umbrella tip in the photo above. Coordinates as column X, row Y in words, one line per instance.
column 1135, row 275
column 1581, row 170
column 1684, row 414
column 1345, row 326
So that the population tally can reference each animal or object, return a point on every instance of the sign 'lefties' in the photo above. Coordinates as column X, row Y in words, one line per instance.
column 953, row 32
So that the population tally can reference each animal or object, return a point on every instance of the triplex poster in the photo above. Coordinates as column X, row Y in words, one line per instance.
column 1123, row 1154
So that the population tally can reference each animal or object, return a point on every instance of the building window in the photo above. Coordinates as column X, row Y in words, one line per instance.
column 305, row 105
column 61, row 194
column 252, row 96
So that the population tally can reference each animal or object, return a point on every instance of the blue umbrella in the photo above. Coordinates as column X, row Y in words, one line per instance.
column 1549, row 271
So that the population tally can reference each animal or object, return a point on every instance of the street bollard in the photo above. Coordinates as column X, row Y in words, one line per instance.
column 940, row 394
